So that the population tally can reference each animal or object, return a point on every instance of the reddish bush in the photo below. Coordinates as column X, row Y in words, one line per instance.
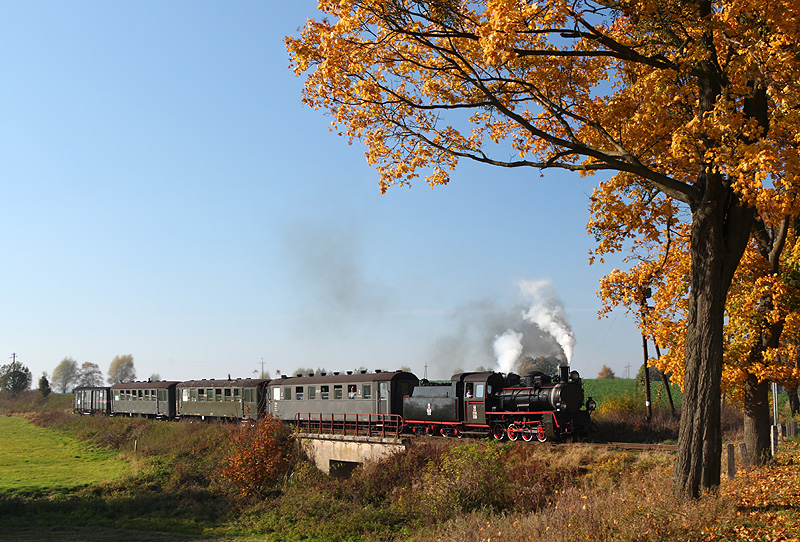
column 260, row 457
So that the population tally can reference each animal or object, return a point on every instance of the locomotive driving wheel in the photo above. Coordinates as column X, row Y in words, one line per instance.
column 498, row 431
column 513, row 432
column 540, row 434
column 527, row 434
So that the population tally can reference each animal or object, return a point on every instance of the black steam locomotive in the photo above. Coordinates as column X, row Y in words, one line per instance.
column 477, row 404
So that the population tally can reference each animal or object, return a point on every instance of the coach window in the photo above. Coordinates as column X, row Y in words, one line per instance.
column 228, row 395
column 218, row 395
column 337, row 391
column 366, row 391
column 276, row 394
column 236, row 392
column 139, row 394
column 298, row 393
column 324, row 391
column 351, row 391
column 116, row 395
column 479, row 391
column 312, row 392
column 201, row 394
column 287, row 392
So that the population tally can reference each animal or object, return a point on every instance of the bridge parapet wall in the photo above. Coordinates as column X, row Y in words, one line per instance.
column 326, row 450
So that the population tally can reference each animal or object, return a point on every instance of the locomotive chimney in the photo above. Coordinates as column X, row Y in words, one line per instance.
column 563, row 373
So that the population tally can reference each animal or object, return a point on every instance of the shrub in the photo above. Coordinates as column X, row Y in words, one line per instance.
column 468, row 477
column 260, row 457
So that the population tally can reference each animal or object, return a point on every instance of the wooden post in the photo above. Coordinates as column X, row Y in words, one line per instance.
column 731, row 461
column 647, row 403
column 774, row 439
column 666, row 382
column 745, row 459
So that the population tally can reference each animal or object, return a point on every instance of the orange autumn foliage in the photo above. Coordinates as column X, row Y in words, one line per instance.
column 260, row 457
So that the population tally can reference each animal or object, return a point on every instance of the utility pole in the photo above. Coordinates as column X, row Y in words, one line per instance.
column 646, row 292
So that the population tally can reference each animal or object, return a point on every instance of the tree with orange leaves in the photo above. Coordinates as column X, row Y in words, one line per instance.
column 691, row 103
column 762, row 329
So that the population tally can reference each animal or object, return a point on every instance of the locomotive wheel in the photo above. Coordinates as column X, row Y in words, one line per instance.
column 513, row 432
column 527, row 435
column 499, row 432
column 540, row 434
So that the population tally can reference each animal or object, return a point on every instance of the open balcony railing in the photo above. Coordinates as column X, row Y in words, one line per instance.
column 364, row 425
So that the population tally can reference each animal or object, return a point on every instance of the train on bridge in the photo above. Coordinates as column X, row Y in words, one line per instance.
column 536, row 406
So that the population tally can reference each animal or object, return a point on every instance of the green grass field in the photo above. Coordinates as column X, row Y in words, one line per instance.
column 34, row 459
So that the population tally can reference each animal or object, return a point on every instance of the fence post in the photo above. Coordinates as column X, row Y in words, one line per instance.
column 774, row 439
column 745, row 459
column 731, row 461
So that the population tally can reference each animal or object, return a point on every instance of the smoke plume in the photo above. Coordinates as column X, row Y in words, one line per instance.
column 548, row 314
column 507, row 349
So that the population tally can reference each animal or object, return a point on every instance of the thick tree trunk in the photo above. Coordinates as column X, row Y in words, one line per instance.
column 756, row 419
column 720, row 229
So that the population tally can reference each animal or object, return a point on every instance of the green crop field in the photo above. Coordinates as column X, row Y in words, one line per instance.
column 605, row 389
column 34, row 459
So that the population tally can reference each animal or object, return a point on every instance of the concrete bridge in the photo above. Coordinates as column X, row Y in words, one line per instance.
column 338, row 455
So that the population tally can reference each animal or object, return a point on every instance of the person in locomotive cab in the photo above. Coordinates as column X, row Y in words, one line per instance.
column 468, row 393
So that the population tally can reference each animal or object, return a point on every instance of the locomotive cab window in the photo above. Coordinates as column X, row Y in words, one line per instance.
column 479, row 391
column 468, row 393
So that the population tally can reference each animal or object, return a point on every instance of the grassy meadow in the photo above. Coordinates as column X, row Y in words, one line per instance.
column 184, row 481
column 38, row 460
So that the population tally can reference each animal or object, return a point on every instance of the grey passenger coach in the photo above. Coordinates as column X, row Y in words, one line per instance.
column 147, row 399
column 360, row 393
column 234, row 399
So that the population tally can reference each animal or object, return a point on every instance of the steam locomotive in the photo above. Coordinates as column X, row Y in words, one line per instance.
column 478, row 404
column 471, row 404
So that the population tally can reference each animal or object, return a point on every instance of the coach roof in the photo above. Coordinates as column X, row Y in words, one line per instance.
column 344, row 378
column 144, row 385
column 227, row 383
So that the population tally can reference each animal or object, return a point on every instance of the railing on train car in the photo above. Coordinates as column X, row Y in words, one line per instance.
column 365, row 425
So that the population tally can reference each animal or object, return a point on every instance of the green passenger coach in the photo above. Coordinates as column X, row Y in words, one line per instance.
column 340, row 394
column 240, row 398
column 147, row 399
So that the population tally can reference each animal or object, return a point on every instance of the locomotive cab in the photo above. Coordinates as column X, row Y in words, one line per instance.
column 480, row 392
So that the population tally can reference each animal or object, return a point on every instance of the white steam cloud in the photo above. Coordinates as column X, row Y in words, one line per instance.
column 548, row 317
column 507, row 349
column 547, row 313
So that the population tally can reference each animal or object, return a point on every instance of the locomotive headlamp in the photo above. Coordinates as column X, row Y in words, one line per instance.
column 591, row 405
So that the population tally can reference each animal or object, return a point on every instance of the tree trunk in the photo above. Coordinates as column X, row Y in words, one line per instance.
column 794, row 400
column 756, row 419
column 720, row 230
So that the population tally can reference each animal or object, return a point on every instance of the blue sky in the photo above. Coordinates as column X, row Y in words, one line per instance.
column 167, row 195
